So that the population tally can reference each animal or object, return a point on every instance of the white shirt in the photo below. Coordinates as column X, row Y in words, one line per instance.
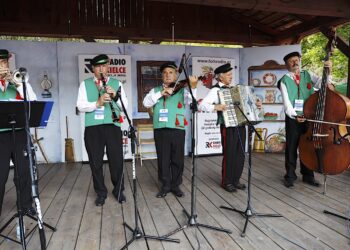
column 85, row 106
column 212, row 98
column 31, row 96
column 153, row 97
column 288, row 106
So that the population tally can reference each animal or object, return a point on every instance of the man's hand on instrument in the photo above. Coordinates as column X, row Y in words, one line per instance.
column 193, row 81
column 300, row 118
column 167, row 91
column 103, row 99
column 111, row 91
column 328, row 64
column 220, row 107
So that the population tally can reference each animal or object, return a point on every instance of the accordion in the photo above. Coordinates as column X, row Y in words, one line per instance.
column 244, row 97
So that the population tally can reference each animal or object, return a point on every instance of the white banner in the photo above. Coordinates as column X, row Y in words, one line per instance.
column 119, row 68
column 208, row 135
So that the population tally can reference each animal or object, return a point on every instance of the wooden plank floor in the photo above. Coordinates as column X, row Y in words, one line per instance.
column 67, row 201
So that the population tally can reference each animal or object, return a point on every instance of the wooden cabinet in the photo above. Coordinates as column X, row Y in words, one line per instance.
column 264, row 78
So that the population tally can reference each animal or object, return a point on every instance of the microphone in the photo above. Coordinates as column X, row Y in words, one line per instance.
column 236, row 103
column 182, row 63
column 118, row 94
column 119, row 91
column 22, row 70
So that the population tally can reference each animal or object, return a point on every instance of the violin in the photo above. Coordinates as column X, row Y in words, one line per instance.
column 182, row 84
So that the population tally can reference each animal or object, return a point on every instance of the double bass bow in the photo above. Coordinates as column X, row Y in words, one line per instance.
column 324, row 148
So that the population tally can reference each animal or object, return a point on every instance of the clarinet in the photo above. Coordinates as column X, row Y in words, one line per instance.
column 115, row 118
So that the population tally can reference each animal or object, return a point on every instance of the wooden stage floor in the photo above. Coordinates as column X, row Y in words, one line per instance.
column 67, row 201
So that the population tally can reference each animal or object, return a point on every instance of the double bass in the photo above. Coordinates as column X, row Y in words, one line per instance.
column 325, row 147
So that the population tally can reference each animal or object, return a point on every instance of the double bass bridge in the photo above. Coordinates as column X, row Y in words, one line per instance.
column 320, row 135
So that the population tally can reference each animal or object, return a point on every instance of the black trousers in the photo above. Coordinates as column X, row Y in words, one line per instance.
column 97, row 138
column 170, row 145
column 233, row 147
column 294, row 130
column 7, row 150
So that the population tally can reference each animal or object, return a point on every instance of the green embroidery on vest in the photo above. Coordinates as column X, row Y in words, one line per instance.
column 92, row 96
column 176, row 110
column 305, row 87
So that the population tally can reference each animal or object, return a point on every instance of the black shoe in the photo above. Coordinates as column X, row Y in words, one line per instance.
column 162, row 193
column 240, row 186
column 230, row 188
column 178, row 192
column 29, row 211
column 288, row 183
column 100, row 201
column 120, row 197
column 293, row 178
column 311, row 181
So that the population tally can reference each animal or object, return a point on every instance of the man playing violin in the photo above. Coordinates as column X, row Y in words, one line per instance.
column 296, row 87
column 10, row 90
column 98, row 98
column 169, row 128
column 232, row 138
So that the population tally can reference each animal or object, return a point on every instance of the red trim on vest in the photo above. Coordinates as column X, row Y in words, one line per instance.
column 18, row 96
column 185, row 122
column 224, row 167
column 177, row 123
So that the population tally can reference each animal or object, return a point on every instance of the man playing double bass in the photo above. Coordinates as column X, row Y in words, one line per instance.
column 296, row 87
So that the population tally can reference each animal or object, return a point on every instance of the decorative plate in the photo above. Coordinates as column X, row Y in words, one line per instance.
column 269, row 79
column 255, row 82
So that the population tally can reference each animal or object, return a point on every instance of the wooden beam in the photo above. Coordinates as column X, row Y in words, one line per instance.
column 341, row 44
column 334, row 8
column 308, row 28
column 246, row 20
column 103, row 32
column 89, row 39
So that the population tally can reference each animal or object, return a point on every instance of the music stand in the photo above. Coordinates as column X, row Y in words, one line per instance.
column 248, row 212
column 13, row 115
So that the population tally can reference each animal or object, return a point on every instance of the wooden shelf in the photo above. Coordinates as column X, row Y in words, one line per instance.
column 147, row 141
column 272, row 103
column 272, row 86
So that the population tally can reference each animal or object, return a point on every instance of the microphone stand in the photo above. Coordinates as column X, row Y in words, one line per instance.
column 192, row 218
column 136, row 231
column 29, row 152
column 337, row 215
column 33, row 170
column 248, row 212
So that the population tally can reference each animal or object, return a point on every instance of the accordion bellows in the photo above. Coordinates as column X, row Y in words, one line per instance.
column 244, row 97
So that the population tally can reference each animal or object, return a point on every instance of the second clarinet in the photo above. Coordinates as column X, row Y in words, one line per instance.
column 115, row 118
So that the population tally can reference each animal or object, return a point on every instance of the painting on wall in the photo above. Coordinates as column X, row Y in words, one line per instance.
column 148, row 77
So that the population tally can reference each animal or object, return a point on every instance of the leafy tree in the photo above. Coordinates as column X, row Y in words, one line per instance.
column 313, row 50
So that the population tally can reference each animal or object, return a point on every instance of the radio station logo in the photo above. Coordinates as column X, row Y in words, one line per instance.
column 213, row 144
column 117, row 67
